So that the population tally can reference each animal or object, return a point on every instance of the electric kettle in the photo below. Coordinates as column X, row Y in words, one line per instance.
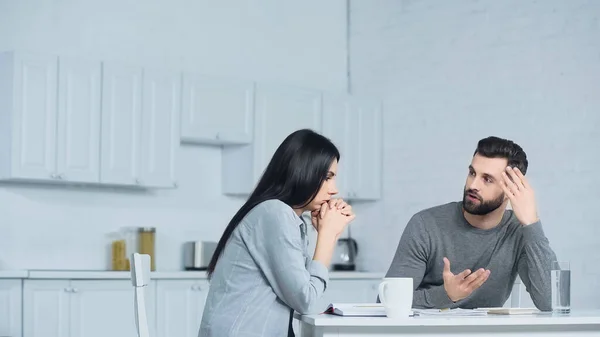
column 344, row 255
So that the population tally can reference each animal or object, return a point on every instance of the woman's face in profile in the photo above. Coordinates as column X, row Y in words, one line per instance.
column 327, row 190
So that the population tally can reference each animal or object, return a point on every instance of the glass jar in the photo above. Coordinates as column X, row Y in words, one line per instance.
column 146, row 244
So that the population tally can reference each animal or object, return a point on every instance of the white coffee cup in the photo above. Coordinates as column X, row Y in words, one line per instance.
column 396, row 295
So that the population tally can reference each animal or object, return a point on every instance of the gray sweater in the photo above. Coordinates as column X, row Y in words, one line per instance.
column 506, row 250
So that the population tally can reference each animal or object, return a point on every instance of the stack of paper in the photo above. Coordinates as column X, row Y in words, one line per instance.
column 357, row 309
column 450, row 312
column 510, row 311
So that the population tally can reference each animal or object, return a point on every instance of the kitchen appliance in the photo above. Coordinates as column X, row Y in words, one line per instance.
column 344, row 255
column 197, row 254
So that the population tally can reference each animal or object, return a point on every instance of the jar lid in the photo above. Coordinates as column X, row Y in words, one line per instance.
column 147, row 229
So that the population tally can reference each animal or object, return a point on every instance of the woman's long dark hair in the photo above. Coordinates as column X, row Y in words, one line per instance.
column 294, row 175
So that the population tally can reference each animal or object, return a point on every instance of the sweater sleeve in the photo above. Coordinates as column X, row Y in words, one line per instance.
column 410, row 260
column 275, row 244
column 534, row 264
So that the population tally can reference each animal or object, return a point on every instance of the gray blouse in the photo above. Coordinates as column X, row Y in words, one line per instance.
column 263, row 275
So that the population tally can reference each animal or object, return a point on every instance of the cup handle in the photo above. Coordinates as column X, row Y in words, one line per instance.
column 382, row 291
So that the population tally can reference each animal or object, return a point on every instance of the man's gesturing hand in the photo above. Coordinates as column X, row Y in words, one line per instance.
column 462, row 285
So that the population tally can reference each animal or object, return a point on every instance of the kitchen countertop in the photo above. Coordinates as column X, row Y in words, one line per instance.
column 13, row 274
column 122, row 275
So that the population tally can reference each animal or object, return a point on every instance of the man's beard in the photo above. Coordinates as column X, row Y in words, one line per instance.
column 483, row 207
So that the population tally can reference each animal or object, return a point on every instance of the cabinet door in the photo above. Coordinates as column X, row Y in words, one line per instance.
column 121, row 123
column 10, row 308
column 281, row 110
column 34, row 115
column 160, row 128
column 105, row 308
column 180, row 304
column 46, row 308
column 78, row 148
column 337, row 124
column 216, row 111
column 367, row 147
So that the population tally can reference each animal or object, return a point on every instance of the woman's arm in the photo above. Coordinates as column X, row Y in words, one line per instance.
column 275, row 243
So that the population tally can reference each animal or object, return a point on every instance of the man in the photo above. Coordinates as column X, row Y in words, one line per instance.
column 468, row 254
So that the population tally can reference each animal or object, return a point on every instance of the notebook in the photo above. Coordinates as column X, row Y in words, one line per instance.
column 356, row 309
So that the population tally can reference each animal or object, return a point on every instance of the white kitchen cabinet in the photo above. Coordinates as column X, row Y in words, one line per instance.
column 46, row 308
column 216, row 111
column 140, row 126
column 28, row 112
column 337, row 126
column 160, row 135
column 105, row 308
column 78, row 130
column 279, row 111
column 121, row 124
column 81, row 308
column 49, row 118
column 355, row 126
column 10, row 307
column 179, row 307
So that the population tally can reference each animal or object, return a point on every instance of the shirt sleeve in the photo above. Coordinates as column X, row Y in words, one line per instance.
column 275, row 243
column 534, row 265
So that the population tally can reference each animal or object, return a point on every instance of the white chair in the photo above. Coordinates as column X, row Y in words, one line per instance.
column 140, row 278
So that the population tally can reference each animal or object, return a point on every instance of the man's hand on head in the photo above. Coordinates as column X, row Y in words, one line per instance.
column 520, row 194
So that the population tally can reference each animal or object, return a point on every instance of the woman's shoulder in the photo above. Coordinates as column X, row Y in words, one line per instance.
column 272, row 208
column 271, row 212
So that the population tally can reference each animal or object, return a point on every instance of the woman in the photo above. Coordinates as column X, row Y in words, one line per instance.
column 261, row 271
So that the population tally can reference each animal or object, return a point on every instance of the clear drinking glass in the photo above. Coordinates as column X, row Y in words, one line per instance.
column 561, row 287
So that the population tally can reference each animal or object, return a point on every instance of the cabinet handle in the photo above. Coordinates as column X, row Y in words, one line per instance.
column 217, row 136
column 138, row 181
column 67, row 290
column 60, row 176
column 175, row 184
column 75, row 290
column 53, row 175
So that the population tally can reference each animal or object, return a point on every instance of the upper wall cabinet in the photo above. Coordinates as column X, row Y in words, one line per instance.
column 72, row 120
column 279, row 111
column 49, row 118
column 122, row 121
column 140, row 126
column 216, row 111
column 354, row 125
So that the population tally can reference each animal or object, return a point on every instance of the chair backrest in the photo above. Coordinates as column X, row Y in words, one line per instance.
column 140, row 278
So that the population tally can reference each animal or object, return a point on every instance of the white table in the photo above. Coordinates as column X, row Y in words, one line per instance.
column 583, row 323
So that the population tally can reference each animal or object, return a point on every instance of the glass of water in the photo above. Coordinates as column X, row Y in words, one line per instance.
column 561, row 287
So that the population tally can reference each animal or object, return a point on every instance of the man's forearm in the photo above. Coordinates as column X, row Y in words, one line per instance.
column 536, row 264
column 432, row 298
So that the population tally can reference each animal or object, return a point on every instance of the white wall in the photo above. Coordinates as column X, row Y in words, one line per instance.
column 452, row 72
column 296, row 43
